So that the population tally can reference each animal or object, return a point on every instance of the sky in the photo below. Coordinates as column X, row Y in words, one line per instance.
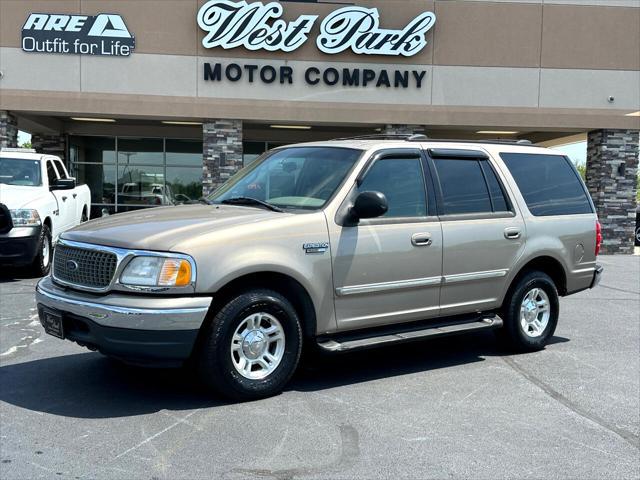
column 577, row 152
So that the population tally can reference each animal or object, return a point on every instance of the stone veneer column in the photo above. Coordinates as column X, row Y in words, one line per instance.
column 55, row 144
column 402, row 129
column 8, row 130
column 222, row 152
column 612, row 169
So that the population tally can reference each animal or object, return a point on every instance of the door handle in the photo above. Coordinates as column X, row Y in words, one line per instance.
column 64, row 199
column 512, row 233
column 421, row 240
column 75, row 195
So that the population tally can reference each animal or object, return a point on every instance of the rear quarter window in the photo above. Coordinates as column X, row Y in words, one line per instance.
column 549, row 184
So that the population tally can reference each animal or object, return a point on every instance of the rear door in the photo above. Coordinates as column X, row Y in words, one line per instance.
column 388, row 269
column 483, row 233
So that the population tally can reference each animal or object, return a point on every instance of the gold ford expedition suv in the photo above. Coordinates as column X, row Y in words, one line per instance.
column 336, row 245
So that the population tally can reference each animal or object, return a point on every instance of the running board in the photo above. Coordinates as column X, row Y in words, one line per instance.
column 360, row 340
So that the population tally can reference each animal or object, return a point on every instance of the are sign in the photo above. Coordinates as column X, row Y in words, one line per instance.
column 258, row 26
column 103, row 34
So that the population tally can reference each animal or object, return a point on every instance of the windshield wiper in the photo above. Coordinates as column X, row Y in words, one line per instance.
column 251, row 201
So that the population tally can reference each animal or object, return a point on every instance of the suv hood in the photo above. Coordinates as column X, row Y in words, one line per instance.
column 20, row 196
column 163, row 227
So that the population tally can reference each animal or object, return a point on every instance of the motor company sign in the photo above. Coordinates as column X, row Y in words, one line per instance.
column 258, row 26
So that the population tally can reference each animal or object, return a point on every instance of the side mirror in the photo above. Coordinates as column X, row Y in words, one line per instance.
column 369, row 205
column 63, row 184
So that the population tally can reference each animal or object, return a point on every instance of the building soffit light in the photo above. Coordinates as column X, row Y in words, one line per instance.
column 291, row 127
column 98, row 120
column 497, row 132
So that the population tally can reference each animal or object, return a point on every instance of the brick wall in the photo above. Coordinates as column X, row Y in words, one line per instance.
column 8, row 130
column 612, row 169
column 222, row 152
column 51, row 145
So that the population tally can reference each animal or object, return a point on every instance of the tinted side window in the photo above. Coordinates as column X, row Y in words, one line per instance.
column 548, row 183
column 60, row 169
column 464, row 189
column 51, row 173
column 498, row 199
column 402, row 182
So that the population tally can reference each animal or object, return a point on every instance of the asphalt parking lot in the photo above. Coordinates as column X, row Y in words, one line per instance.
column 449, row 408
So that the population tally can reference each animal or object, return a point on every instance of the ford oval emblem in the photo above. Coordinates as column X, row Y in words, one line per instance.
column 72, row 265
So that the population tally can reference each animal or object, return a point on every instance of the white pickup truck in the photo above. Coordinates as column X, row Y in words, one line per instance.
column 38, row 201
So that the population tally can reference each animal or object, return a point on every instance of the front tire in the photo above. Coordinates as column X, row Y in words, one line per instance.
column 252, row 346
column 42, row 263
column 531, row 313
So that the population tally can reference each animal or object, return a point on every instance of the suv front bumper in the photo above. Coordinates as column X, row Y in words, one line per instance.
column 136, row 328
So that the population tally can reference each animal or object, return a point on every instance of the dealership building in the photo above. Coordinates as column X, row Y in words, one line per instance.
column 169, row 98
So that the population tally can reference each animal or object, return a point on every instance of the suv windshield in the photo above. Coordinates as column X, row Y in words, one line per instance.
column 296, row 178
column 14, row 171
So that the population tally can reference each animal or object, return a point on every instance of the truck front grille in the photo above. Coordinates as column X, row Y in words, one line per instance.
column 84, row 267
column 5, row 219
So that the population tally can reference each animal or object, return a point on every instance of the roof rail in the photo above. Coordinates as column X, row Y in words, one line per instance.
column 496, row 141
column 424, row 138
column 384, row 136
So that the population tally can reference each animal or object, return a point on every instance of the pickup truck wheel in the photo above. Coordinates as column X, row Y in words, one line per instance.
column 252, row 346
column 531, row 313
column 42, row 263
column 84, row 217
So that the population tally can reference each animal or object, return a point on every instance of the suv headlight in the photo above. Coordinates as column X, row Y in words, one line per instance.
column 157, row 272
column 25, row 217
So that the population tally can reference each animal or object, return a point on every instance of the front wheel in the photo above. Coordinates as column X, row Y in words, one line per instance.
column 42, row 262
column 252, row 346
column 531, row 312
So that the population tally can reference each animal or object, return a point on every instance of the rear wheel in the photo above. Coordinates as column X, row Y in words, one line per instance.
column 252, row 346
column 42, row 262
column 531, row 312
column 84, row 217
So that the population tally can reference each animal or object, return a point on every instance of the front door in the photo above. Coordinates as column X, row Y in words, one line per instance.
column 62, row 221
column 388, row 270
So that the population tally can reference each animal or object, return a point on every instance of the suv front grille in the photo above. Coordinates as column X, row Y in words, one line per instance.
column 5, row 219
column 84, row 267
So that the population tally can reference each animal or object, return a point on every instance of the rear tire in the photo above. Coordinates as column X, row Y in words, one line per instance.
column 252, row 346
column 42, row 262
column 530, row 314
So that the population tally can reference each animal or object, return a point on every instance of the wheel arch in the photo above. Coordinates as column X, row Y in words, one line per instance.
column 546, row 264
column 279, row 282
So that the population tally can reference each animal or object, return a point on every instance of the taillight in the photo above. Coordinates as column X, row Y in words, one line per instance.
column 598, row 237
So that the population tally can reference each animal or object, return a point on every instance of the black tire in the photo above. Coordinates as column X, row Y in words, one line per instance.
column 513, row 333
column 84, row 217
column 214, row 363
column 42, row 265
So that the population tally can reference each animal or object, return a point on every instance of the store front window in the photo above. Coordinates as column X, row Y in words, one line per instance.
column 252, row 150
column 131, row 173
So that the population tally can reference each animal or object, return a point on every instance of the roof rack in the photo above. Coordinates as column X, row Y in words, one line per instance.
column 383, row 136
column 424, row 138
column 17, row 150
column 493, row 141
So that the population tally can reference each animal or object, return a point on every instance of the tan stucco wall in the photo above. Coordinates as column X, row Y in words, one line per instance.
column 546, row 63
